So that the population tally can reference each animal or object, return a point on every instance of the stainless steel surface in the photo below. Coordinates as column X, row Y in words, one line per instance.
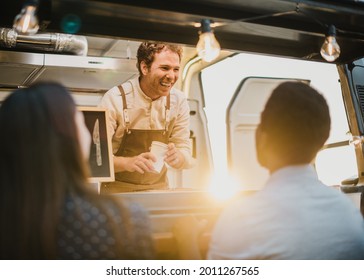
column 86, row 73
column 18, row 68
column 79, row 72
column 48, row 42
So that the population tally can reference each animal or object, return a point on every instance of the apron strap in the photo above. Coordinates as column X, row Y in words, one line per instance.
column 125, row 109
column 167, row 117
column 126, row 113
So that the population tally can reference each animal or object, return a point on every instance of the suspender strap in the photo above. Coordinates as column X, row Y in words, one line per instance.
column 125, row 108
column 126, row 113
column 167, row 117
column 168, row 105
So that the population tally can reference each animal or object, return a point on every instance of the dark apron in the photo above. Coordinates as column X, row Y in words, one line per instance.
column 135, row 142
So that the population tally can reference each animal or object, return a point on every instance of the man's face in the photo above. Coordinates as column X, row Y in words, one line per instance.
column 162, row 75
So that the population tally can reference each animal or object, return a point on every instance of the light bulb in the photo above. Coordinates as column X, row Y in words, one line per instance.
column 330, row 49
column 26, row 22
column 208, row 48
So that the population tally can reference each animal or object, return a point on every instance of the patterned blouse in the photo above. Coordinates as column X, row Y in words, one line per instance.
column 88, row 232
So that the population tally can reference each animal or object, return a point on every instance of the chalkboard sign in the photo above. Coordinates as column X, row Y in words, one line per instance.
column 100, row 160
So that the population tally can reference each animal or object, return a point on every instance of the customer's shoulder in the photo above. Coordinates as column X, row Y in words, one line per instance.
column 135, row 208
column 240, row 202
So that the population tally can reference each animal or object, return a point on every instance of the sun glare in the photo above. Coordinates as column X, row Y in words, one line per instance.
column 223, row 186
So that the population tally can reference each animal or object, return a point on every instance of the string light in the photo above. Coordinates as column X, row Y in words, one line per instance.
column 208, row 48
column 26, row 22
column 330, row 49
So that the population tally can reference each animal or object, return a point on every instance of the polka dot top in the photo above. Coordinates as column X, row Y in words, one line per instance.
column 87, row 231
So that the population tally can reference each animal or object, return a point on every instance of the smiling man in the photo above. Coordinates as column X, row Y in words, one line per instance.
column 147, row 109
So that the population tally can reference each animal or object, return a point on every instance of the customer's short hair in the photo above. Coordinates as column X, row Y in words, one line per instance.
column 297, row 121
column 147, row 51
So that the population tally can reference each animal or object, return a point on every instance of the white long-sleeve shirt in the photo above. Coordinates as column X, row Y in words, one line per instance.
column 145, row 113
column 294, row 216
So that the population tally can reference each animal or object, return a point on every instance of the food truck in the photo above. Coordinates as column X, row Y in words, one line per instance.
column 90, row 46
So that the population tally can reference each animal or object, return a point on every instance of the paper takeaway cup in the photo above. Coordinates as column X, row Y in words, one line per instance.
column 159, row 149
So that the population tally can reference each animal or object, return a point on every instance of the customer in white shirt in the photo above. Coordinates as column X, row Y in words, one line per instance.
column 294, row 216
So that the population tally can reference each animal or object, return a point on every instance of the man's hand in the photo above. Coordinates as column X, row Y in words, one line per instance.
column 141, row 163
column 174, row 157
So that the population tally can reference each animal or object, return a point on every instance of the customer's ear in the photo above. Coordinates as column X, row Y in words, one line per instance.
column 261, row 146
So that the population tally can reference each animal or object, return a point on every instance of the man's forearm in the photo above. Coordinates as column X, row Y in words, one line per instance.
column 119, row 164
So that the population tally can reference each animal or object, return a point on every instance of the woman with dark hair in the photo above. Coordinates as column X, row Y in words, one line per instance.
column 48, row 210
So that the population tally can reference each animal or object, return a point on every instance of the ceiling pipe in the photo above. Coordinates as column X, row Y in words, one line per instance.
column 46, row 42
